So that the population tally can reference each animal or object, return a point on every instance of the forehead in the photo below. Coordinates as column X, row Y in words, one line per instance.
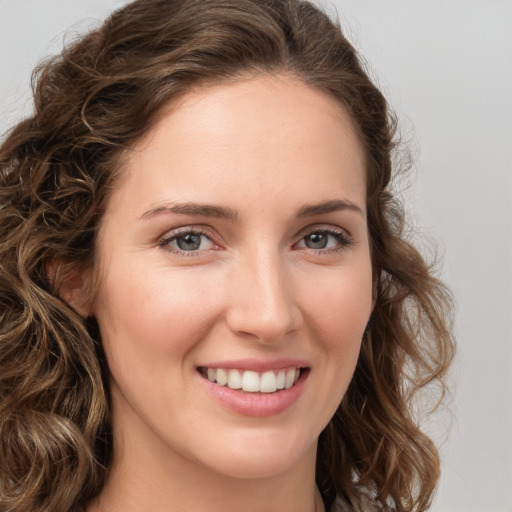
column 267, row 129
column 250, row 105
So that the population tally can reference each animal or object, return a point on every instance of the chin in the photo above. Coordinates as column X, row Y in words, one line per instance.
column 257, row 455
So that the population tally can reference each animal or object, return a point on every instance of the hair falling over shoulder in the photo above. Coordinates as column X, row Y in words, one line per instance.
column 56, row 169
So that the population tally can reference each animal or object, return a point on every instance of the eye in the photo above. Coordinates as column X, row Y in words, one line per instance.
column 187, row 241
column 325, row 239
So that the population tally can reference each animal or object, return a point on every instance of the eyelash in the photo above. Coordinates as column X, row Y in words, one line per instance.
column 341, row 236
column 166, row 240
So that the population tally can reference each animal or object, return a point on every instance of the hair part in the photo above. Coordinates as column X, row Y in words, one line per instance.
column 92, row 103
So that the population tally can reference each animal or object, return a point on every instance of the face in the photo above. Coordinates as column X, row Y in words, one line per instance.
column 235, row 248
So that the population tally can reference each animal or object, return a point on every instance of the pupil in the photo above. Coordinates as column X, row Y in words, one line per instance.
column 316, row 241
column 189, row 242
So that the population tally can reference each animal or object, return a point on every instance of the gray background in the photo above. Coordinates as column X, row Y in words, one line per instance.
column 446, row 67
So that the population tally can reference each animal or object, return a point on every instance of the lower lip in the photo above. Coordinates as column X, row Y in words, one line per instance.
column 256, row 404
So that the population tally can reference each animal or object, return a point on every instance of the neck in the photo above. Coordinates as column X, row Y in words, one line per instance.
column 139, row 482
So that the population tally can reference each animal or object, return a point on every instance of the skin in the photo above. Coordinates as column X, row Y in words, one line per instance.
column 263, row 148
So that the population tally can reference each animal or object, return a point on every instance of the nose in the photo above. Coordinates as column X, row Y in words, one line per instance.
column 262, row 302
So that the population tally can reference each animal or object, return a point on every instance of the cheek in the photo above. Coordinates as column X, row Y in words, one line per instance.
column 339, row 305
column 337, row 315
column 337, row 311
column 150, row 317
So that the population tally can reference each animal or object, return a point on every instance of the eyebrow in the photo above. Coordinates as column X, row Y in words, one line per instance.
column 334, row 205
column 221, row 212
column 202, row 210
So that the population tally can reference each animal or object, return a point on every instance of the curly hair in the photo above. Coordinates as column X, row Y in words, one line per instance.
column 56, row 170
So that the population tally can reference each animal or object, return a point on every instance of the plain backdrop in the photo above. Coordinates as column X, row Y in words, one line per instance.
column 446, row 68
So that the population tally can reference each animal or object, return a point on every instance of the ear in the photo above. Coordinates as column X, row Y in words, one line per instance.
column 72, row 283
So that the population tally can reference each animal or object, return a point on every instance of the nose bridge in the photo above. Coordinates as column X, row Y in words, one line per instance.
column 262, row 302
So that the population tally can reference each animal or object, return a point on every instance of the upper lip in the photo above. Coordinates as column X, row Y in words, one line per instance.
column 257, row 365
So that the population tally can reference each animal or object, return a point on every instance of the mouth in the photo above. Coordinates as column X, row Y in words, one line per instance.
column 268, row 382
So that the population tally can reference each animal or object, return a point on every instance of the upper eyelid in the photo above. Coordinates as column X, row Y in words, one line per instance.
column 323, row 227
column 172, row 234
column 175, row 232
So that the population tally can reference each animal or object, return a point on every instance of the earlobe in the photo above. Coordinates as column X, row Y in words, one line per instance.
column 71, row 283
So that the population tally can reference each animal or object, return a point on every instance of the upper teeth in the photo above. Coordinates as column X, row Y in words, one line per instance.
column 253, row 382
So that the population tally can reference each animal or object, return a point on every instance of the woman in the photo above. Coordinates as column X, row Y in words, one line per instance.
column 207, row 299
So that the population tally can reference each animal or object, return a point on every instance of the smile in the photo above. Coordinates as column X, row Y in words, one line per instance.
column 251, row 381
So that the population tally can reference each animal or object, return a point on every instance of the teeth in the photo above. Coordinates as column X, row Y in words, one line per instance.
column 253, row 382
column 289, row 379
column 250, row 381
column 222, row 377
column 234, row 379
column 280, row 380
column 268, row 382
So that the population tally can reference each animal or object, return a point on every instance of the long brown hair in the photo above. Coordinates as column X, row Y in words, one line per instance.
column 56, row 169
